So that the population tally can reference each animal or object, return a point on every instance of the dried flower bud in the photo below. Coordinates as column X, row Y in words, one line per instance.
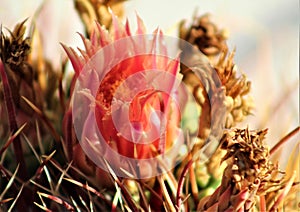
column 239, row 103
column 211, row 41
column 23, row 78
column 93, row 10
column 249, row 173
column 14, row 51
column 205, row 35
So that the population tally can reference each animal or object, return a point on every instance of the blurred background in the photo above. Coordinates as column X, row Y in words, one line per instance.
column 265, row 34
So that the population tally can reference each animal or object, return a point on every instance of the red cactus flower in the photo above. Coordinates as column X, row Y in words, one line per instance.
column 141, row 86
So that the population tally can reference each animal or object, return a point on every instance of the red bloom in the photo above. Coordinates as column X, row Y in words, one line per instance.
column 133, row 101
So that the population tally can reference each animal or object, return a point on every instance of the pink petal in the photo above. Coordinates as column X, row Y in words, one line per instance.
column 141, row 29
column 87, row 45
column 127, row 28
column 104, row 36
column 76, row 61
